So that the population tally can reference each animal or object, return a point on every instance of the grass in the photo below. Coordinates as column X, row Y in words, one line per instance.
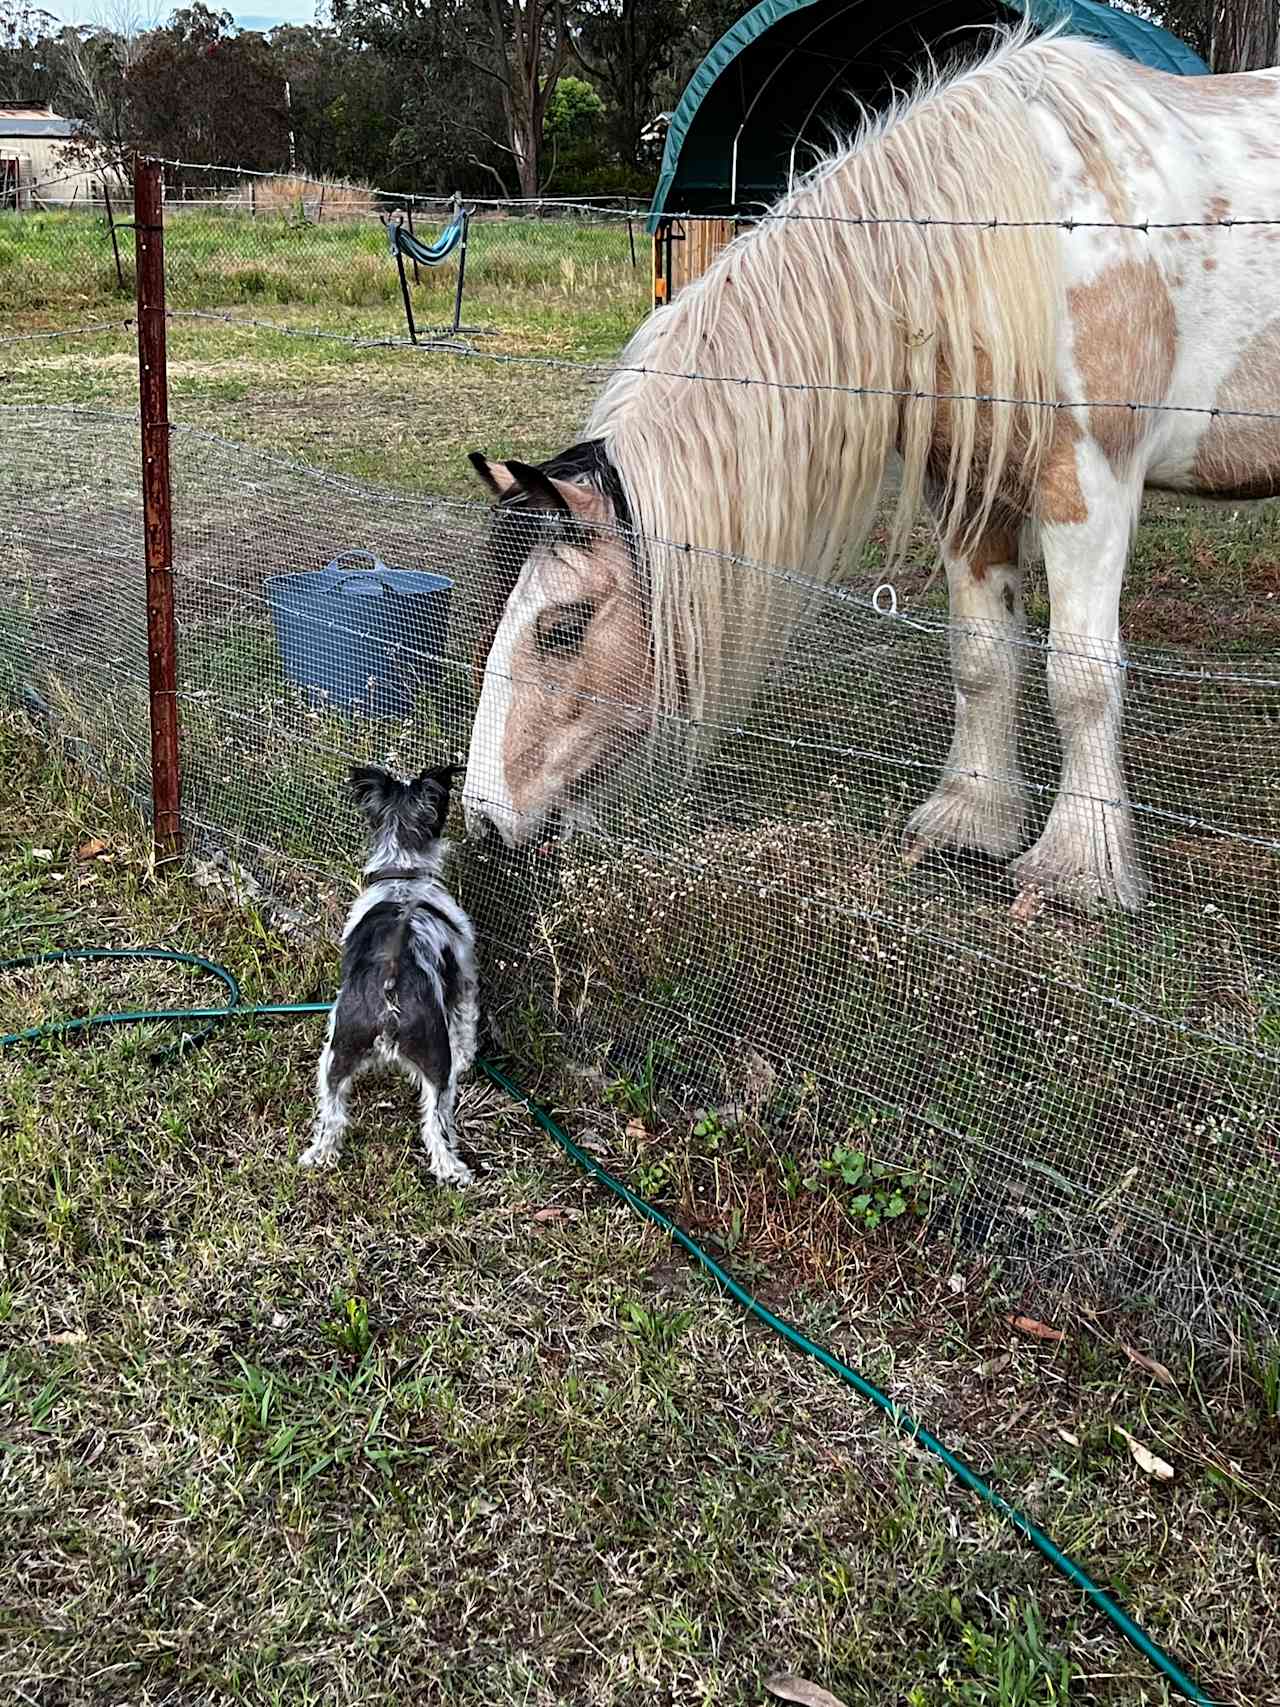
column 356, row 1439
column 270, row 1439
column 1142, row 1133
column 58, row 265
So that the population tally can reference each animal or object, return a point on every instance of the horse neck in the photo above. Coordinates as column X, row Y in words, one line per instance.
column 737, row 435
column 756, row 415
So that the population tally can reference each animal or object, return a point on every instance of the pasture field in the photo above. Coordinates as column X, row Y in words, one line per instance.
column 272, row 1437
column 358, row 1440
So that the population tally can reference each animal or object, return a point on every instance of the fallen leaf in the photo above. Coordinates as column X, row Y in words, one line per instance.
column 636, row 1129
column 788, row 1687
column 549, row 1215
column 993, row 1365
column 1144, row 1457
column 1071, row 1439
column 1150, row 1365
column 70, row 1336
column 956, row 1283
column 42, row 854
column 1037, row 1330
column 92, row 849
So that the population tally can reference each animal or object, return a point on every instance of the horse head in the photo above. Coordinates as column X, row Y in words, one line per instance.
column 563, row 661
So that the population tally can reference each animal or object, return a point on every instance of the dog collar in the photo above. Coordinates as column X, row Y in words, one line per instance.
column 398, row 873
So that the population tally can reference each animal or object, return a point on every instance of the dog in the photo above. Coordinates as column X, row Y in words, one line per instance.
column 408, row 997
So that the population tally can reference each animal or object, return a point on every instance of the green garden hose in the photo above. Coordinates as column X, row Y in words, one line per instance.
column 236, row 1007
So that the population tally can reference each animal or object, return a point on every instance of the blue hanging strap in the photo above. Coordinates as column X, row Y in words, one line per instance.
column 402, row 242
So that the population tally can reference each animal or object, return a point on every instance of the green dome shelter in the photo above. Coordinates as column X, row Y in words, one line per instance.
column 790, row 72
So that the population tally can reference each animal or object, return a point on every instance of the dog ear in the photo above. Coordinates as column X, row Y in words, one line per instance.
column 436, row 784
column 376, row 792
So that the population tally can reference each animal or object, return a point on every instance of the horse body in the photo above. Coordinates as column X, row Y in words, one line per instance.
column 867, row 341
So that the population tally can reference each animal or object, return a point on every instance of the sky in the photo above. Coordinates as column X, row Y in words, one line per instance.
column 274, row 11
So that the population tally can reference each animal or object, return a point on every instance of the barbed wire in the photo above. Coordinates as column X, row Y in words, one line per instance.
column 293, row 176
column 606, row 370
column 764, row 214
column 93, row 328
column 1151, row 661
column 61, row 178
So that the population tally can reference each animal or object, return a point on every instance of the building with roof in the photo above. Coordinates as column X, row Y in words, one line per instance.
column 790, row 73
column 33, row 171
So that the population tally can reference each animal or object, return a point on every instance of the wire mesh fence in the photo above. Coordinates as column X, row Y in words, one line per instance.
column 1087, row 1096
column 278, row 245
column 1090, row 1098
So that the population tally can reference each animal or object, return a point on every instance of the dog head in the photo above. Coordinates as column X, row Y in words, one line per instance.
column 407, row 818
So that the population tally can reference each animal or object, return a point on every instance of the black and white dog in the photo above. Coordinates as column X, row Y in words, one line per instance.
column 408, row 995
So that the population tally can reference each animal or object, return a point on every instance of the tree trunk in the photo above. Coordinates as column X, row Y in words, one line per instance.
column 528, row 148
column 1245, row 35
column 529, row 74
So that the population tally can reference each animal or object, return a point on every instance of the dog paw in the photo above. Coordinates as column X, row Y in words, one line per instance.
column 319, row 1155
column 453, row 1172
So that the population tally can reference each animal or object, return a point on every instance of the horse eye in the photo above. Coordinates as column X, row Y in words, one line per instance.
column 563, row 630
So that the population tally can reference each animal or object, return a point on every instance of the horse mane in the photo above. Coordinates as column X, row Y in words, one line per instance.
column 792, row 477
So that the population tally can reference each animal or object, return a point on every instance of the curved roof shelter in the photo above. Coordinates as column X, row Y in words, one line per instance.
column 774, row 87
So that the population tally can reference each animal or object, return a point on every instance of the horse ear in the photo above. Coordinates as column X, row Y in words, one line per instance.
column 555, row 497
column 543, row 492
column 496, row 475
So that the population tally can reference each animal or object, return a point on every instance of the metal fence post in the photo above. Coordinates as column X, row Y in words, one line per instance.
column 153, row 394
column 417, row 276
column 462, row 268
column 111, row 227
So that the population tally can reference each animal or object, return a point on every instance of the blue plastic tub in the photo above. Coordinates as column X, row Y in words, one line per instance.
column 366, row 640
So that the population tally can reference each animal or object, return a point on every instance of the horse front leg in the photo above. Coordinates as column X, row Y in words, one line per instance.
column 979, row 804
column 1087, row 855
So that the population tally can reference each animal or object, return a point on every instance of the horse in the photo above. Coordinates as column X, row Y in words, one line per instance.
column 1020, row 285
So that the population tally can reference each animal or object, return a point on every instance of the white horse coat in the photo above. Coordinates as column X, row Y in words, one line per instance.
column 1122, row 307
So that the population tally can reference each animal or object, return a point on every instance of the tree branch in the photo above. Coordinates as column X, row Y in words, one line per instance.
column 485, row 166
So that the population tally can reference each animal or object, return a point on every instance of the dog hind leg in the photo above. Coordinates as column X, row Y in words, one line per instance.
column 333, row 1091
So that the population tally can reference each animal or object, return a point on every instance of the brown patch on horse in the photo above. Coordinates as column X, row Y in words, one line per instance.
column 1013, row 497
column 997, row 549
column 1217, row 209
column 1125, row 335
column 1240, row 457
column 1098, row 174
column 1056, row 495
column 1208, row 263
column 1059, row 498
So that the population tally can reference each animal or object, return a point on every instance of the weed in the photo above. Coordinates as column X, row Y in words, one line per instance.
column 654, row 1327
column 1008, row 1668
column 875, row 1191
column 350, row 1330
